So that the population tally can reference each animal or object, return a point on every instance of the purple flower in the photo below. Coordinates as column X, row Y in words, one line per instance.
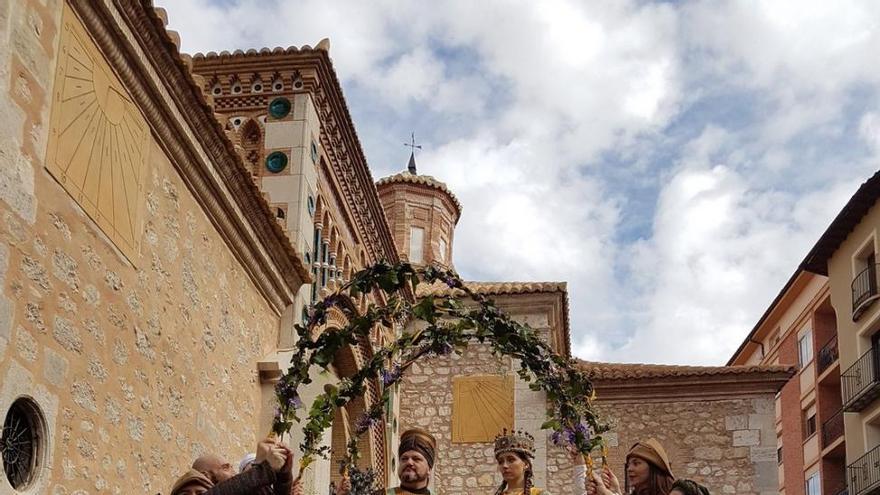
column 450, row 281
column 556, row 438
column 294, row 401
column 364, row 423
column 391, row 376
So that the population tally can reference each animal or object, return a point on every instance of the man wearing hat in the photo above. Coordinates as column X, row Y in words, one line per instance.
column 415, row 457
column 415, row 461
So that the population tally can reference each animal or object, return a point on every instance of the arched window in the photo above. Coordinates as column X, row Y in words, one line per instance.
column 23, row 443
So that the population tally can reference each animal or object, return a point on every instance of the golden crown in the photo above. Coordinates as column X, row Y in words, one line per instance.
column 515, row 441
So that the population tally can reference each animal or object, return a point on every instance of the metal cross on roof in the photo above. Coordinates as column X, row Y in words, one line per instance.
column 412, row 156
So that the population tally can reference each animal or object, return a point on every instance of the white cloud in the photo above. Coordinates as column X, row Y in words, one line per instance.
column 869, row 130
column 730, row 125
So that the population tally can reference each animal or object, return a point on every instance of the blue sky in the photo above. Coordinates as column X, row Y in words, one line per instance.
column 673, row 162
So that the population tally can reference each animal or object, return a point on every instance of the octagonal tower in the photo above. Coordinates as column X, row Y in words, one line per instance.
column 422, row 213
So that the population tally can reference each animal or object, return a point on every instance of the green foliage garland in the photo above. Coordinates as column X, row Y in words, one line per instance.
column 448, row 326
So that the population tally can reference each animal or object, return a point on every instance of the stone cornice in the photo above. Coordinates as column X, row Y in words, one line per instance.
column 704, row 386
column 185, row 128
column 338, row 137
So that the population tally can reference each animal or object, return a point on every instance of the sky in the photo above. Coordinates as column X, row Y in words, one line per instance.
column 672, row 161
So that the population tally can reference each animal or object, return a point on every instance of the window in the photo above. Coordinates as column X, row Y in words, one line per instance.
column 813, row 484
column 314, row 151
column 810, row 421
column 779, row 455
column 311, row 205
column 442, row 254
column 416, row 239
column 805, row 348
column 317, row 255
column 23, row 434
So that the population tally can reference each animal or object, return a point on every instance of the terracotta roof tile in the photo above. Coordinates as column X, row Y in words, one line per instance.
column 628, row 371
column 510, row 288
column 494, row 288
column 424, row 180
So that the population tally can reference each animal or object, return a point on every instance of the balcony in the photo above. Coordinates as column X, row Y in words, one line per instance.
column 832, row 429
column 827, row 355
column 859, row 384
column 864, row 291
column 864, row 474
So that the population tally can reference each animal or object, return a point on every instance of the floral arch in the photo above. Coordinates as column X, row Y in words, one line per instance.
column 434, row 325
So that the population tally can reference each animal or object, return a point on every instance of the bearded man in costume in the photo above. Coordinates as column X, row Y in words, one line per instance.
column 415, row 457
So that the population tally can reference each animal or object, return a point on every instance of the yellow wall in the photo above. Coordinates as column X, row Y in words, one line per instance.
column 853, row 337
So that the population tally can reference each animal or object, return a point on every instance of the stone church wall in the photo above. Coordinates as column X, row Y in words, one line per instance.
column 426, row 401
column 138, row 364
column 729, row 445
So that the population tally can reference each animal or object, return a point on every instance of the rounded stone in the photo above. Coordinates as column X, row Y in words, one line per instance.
column 276, row 162
column 279, row 107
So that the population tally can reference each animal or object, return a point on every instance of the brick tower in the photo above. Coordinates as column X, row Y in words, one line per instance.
column 422, row 213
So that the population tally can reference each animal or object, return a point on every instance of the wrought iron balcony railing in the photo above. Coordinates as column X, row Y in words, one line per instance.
column 859, row 384
column 832, row 429
column 864, row 290
column 864, row 474
column 827, row 355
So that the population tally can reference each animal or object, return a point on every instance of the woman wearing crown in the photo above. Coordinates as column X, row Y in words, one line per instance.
column 514, row 452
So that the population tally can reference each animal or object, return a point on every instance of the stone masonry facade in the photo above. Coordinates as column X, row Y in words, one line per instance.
column 426, row 401
column 137, row 365
column 728, row 445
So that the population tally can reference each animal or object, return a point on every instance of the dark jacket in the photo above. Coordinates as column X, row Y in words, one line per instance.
column 258, row 480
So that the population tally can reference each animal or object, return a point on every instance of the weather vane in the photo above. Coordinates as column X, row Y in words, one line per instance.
column 412, row 156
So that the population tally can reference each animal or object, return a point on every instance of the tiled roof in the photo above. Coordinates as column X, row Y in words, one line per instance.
column 425, row 180
column 507, row 289
column 626, row 371
column 495, row 288
column 323, row 45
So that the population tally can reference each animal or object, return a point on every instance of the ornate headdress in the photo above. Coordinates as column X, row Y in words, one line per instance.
column 515, row 441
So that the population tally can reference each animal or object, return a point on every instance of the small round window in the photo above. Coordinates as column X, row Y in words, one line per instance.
column 22, row 443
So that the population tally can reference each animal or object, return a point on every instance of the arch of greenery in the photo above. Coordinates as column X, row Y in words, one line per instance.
column 443, row 324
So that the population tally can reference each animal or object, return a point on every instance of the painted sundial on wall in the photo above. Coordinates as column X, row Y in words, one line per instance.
column 98, row 138
column 482, row 406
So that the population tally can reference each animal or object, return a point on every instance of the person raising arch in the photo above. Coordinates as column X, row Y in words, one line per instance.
column 514, row 452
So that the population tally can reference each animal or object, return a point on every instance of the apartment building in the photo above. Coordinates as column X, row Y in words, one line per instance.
column 799, row 329
column 846, row 255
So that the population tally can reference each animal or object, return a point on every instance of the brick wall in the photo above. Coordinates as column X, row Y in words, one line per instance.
column 792, row 421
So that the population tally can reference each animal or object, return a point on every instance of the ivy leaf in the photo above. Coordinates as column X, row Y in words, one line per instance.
column 425, row 310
